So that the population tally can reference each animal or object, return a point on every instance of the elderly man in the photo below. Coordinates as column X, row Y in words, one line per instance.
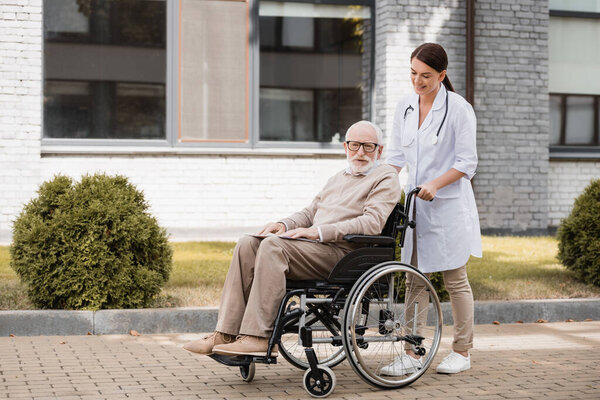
column 356, row 200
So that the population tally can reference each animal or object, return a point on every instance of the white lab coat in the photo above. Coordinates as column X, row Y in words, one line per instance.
column 447, row 228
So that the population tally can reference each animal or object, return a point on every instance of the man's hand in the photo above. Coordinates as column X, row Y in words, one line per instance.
column 273, row 227
column 308, row 233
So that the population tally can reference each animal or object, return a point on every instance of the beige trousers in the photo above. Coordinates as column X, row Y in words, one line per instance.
column 255, row 282
column 461, row 299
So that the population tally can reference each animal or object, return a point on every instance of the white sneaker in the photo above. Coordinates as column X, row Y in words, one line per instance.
column 454, row 363
column 402, row 365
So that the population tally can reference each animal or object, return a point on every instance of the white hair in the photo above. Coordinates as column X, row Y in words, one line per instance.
column 377, row 130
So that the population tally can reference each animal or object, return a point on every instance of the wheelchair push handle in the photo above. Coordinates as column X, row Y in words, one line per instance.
column 407, row 221
column 407, row 205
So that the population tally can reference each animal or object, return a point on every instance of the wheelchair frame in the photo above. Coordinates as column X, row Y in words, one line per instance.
column 364, row 278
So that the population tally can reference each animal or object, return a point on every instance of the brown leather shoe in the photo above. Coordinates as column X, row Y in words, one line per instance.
column 205, row 345
column 246, row 345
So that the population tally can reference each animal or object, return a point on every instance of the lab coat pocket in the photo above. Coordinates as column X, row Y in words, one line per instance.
column 408, row 139
column 450, row 191
column 446, row 213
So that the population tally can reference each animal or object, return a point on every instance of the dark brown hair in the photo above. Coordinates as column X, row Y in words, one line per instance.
column 435, row 56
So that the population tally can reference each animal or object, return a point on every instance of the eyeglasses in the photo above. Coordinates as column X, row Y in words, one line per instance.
column 368, row 146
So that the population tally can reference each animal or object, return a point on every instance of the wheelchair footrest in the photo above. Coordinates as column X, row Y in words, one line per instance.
column 415, row 340
column 240, row 361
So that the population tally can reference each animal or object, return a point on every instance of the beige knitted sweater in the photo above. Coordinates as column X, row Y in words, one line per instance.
column 351, row 204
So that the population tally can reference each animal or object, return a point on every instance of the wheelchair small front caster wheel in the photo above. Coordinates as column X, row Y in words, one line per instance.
column 247, row 372
column 321, row 387
column 420, row 351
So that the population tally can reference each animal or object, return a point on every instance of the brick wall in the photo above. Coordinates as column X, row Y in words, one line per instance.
column 511, row 102
column 566, row 181
column 20, row 105
column 400, row 27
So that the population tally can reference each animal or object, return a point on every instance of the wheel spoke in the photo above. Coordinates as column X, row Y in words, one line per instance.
column 377, row 300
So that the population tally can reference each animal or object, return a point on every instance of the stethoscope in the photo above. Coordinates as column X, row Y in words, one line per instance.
column 435, row 139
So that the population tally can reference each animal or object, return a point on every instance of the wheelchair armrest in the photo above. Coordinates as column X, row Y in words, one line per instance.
column 368, row 239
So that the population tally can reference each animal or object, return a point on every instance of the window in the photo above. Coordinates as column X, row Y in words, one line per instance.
column 315, row 69
column 574, row 57
column 105, row 69
column 574, row 120
column 206, row 73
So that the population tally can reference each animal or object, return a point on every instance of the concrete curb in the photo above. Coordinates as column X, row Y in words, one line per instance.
column 105, row 322
column 506, row 312
column 204, row 319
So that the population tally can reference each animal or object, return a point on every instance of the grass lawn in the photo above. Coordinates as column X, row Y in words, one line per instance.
column 512, row 268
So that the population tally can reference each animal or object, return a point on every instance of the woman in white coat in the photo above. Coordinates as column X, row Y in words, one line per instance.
column 434, row 139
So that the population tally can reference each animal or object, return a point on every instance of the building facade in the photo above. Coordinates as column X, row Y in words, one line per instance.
column 228, row 114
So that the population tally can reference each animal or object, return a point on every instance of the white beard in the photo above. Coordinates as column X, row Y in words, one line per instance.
column 360, row 169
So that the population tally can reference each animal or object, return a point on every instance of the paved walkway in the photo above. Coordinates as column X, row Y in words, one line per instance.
column 517, row 361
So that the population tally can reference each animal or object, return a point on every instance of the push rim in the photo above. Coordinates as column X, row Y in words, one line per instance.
column 381, row 349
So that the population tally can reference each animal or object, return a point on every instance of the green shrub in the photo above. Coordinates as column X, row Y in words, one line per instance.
column 579, row 236
column 90, row 245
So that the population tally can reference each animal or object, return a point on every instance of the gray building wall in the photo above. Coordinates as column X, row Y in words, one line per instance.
column 511, row 102
column 567, row 179
column 511, row 95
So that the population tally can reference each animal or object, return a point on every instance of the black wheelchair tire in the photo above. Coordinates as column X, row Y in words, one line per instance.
column 351, row 348
column 313, row 388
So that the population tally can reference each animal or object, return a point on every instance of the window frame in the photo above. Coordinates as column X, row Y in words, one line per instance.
column 171, row 142
column 77, row 145
column 255, row 92
column 563, row 151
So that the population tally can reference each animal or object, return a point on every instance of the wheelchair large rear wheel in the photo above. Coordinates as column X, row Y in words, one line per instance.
column 391, row 309
column 324, row 327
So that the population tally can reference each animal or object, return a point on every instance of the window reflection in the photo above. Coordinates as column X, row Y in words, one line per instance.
column 105, row 69
column 315, row 69
column 580, row 120
column 573, row 120
column 555, row 119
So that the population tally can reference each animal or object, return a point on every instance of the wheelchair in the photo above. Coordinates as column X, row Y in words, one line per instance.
column 366, row 312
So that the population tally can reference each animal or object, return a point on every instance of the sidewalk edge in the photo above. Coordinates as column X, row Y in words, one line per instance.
column 204, row 319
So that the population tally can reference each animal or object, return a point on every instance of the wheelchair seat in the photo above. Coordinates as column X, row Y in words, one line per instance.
column 375, row 250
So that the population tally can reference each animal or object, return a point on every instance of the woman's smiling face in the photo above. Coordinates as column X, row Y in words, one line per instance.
column 425, row 80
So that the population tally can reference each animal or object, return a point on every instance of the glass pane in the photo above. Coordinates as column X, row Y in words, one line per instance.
column 67, row 109
column 573, row 55
column 293, row 106
column 213, row 88
column 105, row 69
column 140, row 111
column 315, row 69
column 580, row 120
column 579, row 5
column 555, row 119
column 103, row 110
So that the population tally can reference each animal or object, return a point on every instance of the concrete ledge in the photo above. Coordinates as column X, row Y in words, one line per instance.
column 508, row 312
column 156, row 320
column 46, row 322
column 204, row 319
column 531, row 310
